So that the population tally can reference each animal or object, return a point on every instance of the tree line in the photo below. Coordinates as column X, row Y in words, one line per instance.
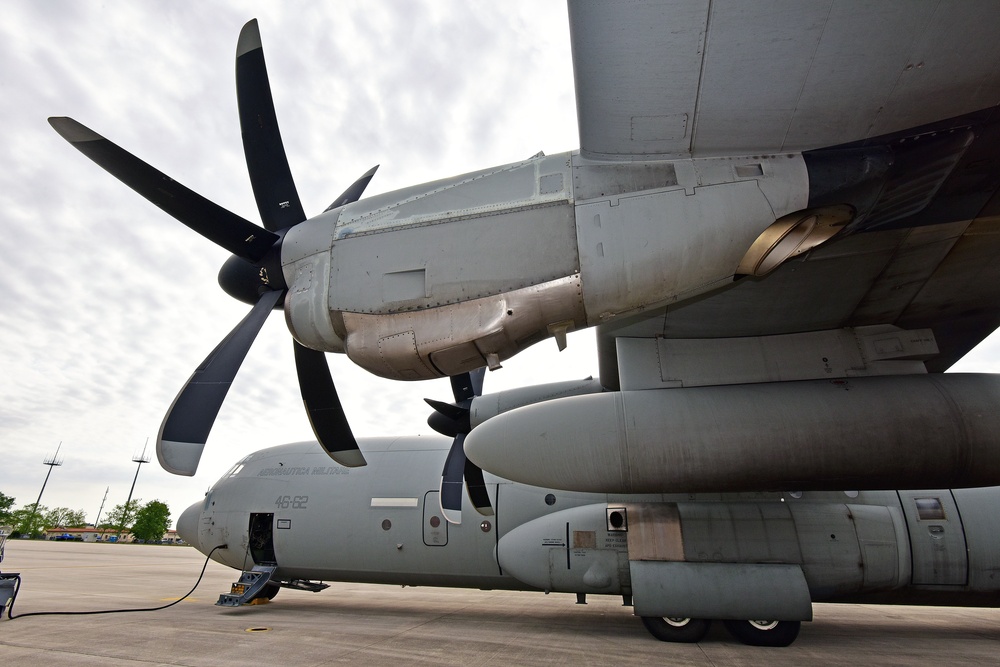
column 147, row 522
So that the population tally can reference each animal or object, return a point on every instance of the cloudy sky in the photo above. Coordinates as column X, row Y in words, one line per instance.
column 108, row 304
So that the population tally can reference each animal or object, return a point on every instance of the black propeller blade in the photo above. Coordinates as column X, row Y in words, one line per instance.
column 353, row 193
column 237, row 235
column 326, row 415
column 452, row 419
column 280, row 208
column 270, row 175
column 253, row 274
column 185, row 429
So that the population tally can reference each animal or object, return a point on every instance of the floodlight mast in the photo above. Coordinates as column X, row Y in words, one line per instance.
column 51, row 462
column 97, row 521
column 140, row 459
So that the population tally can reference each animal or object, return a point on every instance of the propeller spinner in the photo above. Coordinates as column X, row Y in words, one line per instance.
column 252, row 275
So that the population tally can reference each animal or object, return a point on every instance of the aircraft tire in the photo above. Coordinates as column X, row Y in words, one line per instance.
column 764, row 633
column 268, row 592
column 677, row 630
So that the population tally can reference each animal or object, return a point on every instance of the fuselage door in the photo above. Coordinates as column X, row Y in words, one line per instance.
column 261, row 539
column 937, row 539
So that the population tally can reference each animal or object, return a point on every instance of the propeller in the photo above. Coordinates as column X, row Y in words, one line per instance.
column 452, row 419
column 253, row 274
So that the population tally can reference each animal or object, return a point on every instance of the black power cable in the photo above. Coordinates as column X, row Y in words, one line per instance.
column 17, row 587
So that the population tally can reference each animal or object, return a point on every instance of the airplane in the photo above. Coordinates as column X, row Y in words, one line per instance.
column 781, row 221
column 285, row 517
column 729, row 226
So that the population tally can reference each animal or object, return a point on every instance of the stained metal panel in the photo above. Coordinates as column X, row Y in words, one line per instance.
column 720, row 590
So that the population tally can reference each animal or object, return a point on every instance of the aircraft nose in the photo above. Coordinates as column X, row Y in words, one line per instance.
column 187, row 525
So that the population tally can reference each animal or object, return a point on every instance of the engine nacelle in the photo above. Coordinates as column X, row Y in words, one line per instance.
column 466, row 272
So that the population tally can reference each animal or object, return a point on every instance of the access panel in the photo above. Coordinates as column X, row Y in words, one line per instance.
column 937, row 540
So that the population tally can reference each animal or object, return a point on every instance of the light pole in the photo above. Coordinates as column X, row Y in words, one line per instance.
column 142, row 458
column 51, row 462
column 97, row 521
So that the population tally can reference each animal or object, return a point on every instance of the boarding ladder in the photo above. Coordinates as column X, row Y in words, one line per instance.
column 250, row 583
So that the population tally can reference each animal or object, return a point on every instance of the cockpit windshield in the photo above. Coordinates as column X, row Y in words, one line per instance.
column 232, row 472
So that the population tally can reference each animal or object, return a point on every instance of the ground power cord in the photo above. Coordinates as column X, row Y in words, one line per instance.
column 17, row 587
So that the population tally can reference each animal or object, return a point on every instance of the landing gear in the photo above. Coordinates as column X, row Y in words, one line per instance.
column 764, row 633
column 268, row 592
column 753, row 632
column 678, row 630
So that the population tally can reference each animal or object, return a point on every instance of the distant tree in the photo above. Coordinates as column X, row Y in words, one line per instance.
column 65, row 517
column 29, row 520
column 151, row 522
column 6, row 502
column 122, row 517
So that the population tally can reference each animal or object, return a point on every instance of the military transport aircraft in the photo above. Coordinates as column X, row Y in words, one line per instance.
column 288, row 517
column 782, row 220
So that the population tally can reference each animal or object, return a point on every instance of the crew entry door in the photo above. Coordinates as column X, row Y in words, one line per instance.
column 261, row 539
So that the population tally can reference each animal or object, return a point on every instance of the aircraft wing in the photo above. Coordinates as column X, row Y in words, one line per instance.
column 683, row 79
column 694, row 78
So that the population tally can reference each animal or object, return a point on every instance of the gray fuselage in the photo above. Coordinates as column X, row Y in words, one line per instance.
column 383, row 524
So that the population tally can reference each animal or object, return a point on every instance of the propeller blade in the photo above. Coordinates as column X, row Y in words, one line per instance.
column 452, row 481
column 270, row 176
column 453, row 419
column 354, row 192
column 477, row 487
column 456, row 468
column 468, row 385
column 224, row 228
column 323, row 406
column 189, row 420
column 448, row 419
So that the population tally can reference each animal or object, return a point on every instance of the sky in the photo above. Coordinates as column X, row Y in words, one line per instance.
column 108, row 304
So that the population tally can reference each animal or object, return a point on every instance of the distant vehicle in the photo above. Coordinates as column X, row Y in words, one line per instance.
column 66, row 537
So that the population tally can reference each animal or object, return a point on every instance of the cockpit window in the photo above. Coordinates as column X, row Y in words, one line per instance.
column 235, row 470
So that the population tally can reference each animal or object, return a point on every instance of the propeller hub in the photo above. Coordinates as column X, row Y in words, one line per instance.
column 246, row 282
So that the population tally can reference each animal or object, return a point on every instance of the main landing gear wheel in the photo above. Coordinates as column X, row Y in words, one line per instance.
column 764, row 633
column 268, row 592
column 678, row 630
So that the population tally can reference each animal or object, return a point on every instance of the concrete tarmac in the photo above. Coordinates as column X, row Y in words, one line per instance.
column 387, row 625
